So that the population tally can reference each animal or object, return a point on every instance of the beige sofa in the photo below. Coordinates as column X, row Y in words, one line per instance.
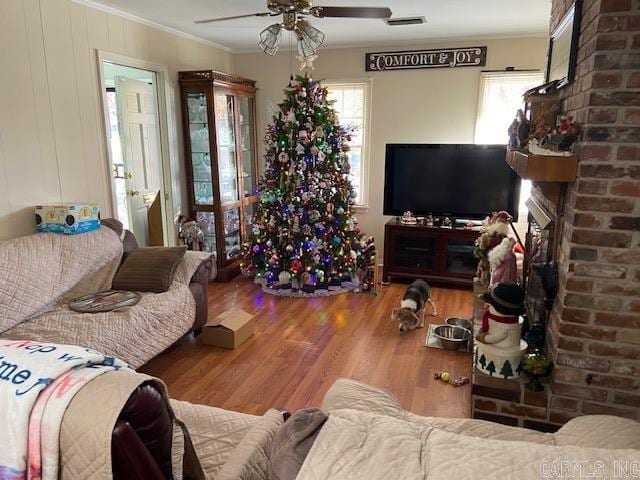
column 40, row 274
column 367, row 436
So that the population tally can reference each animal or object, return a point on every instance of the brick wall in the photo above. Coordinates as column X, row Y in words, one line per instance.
column 594, row 333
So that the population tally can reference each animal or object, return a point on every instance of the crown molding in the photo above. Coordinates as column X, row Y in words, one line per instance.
column 144, row 21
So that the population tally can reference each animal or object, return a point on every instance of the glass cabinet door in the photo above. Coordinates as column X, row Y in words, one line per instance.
column 232, row 233
column 248, row 218
column 226, row 140
column 200, row 152
column 459, row 258
column 207, row 223
column 247, row 137
column 416, row 251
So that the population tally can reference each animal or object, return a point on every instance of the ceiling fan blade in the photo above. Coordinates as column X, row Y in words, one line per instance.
column 210, row 20
column 352, row 12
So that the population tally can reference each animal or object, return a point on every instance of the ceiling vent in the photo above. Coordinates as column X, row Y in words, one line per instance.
column 396, row 22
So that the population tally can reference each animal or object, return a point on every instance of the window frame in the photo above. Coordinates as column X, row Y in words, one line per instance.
column 367, row 84
column 483, row 81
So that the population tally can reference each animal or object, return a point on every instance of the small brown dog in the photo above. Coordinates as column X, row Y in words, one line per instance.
column 410, row 315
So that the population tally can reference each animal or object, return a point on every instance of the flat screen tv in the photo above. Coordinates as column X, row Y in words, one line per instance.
column 460, row 181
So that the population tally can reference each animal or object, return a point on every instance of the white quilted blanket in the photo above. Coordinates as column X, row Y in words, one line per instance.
column 38, row 382
column 358, row 445
column 50, row 269
column 37, row 271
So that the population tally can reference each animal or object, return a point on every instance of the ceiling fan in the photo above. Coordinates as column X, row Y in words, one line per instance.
column 293, row 19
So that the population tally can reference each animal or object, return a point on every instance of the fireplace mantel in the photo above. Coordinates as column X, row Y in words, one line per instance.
column 543, row 168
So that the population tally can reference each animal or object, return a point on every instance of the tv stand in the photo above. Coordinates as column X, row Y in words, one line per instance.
column 441, row 255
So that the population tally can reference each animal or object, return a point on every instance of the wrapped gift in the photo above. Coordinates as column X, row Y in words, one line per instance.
column 68, row 218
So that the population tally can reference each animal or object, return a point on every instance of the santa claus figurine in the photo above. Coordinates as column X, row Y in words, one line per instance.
column 502, row 262
column 494, row 229
column 500, row 346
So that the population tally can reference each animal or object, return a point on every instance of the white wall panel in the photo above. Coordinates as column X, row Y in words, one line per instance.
column 22, row 163
column 52, row 145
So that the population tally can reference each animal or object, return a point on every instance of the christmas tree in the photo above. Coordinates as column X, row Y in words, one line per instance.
column 303, row 229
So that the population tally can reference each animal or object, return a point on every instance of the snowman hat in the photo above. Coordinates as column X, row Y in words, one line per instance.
column 507, row 298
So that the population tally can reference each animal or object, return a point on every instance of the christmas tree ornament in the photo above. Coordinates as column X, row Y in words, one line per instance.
column 306, row 62
column 296, row 266
column 284, row 277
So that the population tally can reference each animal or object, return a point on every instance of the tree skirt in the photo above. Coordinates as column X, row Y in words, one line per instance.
column 278, row 291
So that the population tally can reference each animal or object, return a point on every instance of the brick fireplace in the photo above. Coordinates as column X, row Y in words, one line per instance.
column 594, row 327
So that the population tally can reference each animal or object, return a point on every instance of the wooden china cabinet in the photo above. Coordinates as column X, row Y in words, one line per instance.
column 218, row 112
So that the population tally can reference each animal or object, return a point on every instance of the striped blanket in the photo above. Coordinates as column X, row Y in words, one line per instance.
column 37, row 382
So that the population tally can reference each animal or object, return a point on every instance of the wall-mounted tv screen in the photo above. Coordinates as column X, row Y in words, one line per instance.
column 461, row 181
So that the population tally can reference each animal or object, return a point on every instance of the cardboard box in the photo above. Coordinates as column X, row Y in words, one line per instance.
column 229, row 329
column 68, row 218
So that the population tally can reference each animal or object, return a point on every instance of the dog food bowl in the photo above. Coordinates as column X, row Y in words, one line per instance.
column 460, row 322
column 452, row 337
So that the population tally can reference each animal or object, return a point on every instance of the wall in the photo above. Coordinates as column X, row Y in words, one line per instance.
column 595, row 324
column 52, row 141
column 419, row 106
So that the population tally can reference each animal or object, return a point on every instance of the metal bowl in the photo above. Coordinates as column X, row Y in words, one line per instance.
column 460, row 322
column 452, row 337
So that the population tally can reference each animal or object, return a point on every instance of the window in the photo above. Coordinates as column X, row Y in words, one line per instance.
column 351, row 105
column 500, row 99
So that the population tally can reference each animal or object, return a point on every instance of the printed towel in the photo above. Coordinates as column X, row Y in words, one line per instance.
column 37, row 382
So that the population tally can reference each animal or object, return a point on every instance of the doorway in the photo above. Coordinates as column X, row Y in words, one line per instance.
column 135, row 145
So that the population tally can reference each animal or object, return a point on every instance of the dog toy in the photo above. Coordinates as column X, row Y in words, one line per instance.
column 446, row 377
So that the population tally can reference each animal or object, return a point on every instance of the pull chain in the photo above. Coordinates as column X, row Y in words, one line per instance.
column 290, row 57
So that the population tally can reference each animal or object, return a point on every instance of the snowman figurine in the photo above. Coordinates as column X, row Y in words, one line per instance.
column 500, row 347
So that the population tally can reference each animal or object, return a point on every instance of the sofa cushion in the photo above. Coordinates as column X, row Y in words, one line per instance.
column 352, row 394
column 148, row 269
column 593, row 431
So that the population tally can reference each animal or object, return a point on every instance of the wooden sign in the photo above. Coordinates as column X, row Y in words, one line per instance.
column 437, row 58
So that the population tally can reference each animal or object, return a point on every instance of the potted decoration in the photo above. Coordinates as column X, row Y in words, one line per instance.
column 537, row 365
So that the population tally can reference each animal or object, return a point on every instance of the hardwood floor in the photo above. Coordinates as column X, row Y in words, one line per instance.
column 301, row 346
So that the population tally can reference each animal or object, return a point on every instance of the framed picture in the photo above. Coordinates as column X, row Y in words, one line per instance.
column 563, row 47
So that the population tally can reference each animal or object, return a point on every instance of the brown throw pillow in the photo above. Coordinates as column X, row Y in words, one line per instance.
column 148, row 269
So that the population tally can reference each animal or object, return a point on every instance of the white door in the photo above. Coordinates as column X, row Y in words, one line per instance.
column 139, row 128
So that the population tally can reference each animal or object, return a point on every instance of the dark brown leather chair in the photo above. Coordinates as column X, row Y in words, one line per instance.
column 142, row 438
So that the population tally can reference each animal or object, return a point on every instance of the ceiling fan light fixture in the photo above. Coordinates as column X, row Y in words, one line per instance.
column 270, row 39
column 309, row 39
